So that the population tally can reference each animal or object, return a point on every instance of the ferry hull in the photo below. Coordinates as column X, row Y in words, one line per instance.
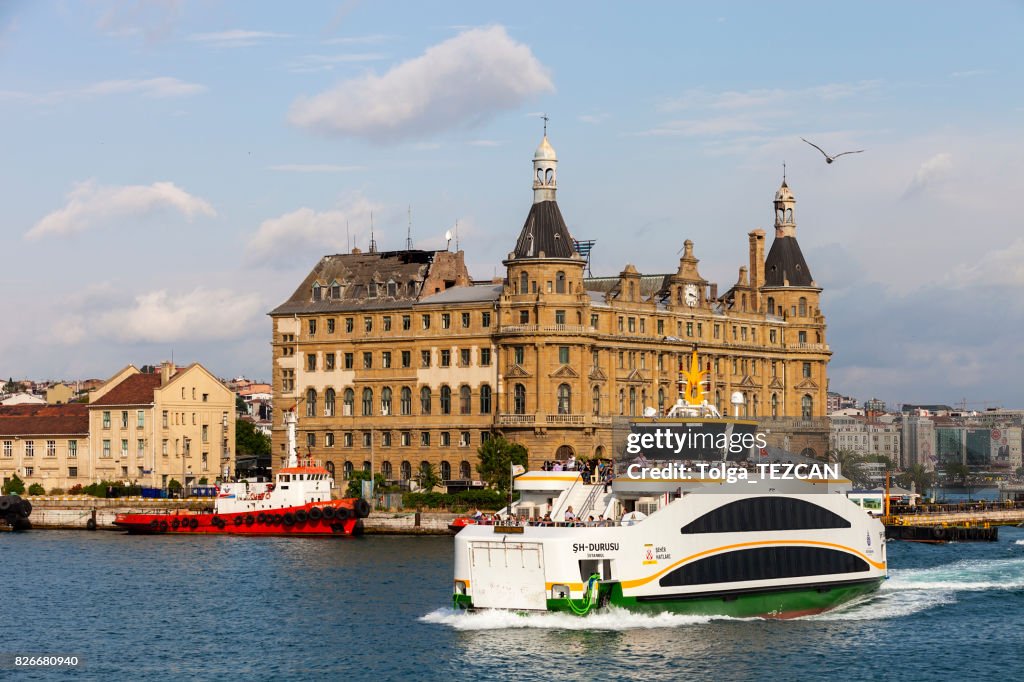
column 345, row 520
column 769, row 603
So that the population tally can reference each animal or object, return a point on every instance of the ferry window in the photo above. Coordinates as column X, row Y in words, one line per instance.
column 759, row 514
column 764, row 563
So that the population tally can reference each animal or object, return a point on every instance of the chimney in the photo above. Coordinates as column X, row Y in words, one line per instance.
column 714, row 291
column 756, row 238
column 166, row 372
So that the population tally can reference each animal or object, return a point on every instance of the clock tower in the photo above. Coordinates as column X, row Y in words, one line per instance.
column 688, row 290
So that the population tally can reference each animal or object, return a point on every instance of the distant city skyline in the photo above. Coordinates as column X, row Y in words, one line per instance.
column 173, row 168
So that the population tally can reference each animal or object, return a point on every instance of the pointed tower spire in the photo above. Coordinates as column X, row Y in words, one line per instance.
column 545, row 170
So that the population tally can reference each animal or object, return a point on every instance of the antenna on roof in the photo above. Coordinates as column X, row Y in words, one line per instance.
column 448, row 239
column 348, row 238
column 783, row 172
column 373, row 242
column 456, row 234
column 408, row 232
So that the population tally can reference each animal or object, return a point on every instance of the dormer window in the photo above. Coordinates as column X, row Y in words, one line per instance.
column 316, row 291
column 372, row 290
column 335, row 290
column 392, row 288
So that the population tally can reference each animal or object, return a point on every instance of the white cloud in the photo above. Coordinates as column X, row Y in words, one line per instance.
column 999, row 267
column 311, row 63
column 235, row 38
column 306, row 233
column 314, row 168
column 458, row 83
column 90, row 203
column 370, row 39
column 160, row 87
column 198, row 315
column 930, row 172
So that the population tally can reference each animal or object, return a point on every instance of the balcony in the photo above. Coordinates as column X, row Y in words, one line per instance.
column 543, row 329
column 552, row 420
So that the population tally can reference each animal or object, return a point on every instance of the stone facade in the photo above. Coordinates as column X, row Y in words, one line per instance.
column 431, row 363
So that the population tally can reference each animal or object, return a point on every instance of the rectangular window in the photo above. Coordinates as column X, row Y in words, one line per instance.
column 425, row 358
column 559, row 317
column 563, row 355
column 772, row 336
column 735, row 333
column 367, row 360
column 446, row 439
column 140, row 448
column 621, row 360
column 8, row 448
column 518, row 354
column 464, row 439
column 124, row 418
column 163, row 447
column 621, row 323
column 349, row 360
column 346, row 439
column 385, row 439
column 802, row 337
column 311, row 362
column 51, row 448
column 385, row 359
column 311, row 439
column 595, row 357
column 140, row 419
column 774, row 369
column 106, row 419
column 661, row 362
column 424, row 437
column 368, row 324
column 524, row 317
column 743, row 333
column 312, row 327
column 465, row 320
column 329, row 360
column 593, row 321
column 350, row 324
column 446, row 321
column 661, row 327
column 807, row 370
column 717, row 331
column 30, row 471
column 72, row 448
column 406, row 322
column 164, row 418
column 632, row 325
column 406, row 438
column 330, row 325
column 689, row 328
column 72, row 472
column 446, row 358
column 643, row 325
column 485, row 357
column 124, row 447
column 700, row 330
column 406, row 358
column 464, row 357
column 485, row 319
column 425, row 319
column 386, row 322
column 206, row 433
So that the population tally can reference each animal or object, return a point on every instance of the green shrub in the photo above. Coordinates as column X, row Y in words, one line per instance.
column 173, row 485
column 13, row 485
column 56, row 491
column 36, row 489
column 457, row 502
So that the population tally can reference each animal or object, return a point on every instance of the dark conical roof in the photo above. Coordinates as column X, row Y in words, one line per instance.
column 785, row 265
column 544, row 231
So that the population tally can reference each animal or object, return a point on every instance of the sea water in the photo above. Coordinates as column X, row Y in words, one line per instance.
column 377, row 608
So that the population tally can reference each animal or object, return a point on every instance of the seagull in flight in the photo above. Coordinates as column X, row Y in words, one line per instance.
column 830, row 159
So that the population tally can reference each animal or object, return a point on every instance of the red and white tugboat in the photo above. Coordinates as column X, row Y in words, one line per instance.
column 298, row 502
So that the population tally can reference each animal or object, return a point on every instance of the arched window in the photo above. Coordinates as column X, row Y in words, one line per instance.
column 348, row 402
column 330, row 468
column 771, row 305
column 632, row 400
column 385, row 400
column 789, row 215
column 564, row 399
column 806, row 406
column 622, row 401
column 661, row 400
column 519, row 399
column 367, row 402
column 465, row 400
column 446, row 471
column 524, row 283
column 559, row 282
column 465, row 473
column 425, row 400
column 311, row 402
column 775, row 404
column 367, row 467
column 316, row 291
column 385, row 470
column 406, row 470
column 485, row 399
column 597, row 400
column 803, row 306
column 549, row 176
column 405, row 401
column 346, row 470
column 424, row 471
column 329, row 402
column 446, row 400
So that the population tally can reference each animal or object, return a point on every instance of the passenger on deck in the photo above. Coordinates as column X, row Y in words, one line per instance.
column 557, row 466
column 570, row 515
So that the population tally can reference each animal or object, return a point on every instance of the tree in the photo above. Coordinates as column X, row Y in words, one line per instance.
column 918, row 476
column 11, row 386
column 428, row 477
column 850, row 462
column 497, row 456
column 173, row 485
column 355, row 484
column 240, row 405
column 13, row 485
column 957, row 472
column 250, row 441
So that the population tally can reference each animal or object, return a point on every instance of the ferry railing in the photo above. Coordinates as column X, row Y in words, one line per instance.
column 588, row 504
column 566, row 495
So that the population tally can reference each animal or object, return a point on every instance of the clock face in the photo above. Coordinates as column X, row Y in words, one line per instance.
column 690, row 295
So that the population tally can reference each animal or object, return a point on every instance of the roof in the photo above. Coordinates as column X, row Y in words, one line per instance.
column 136, row 389
column 544, row 232
column 44, row 420
column 471, row 294
column 649, row 284
column 785, row 265
column 355, row 272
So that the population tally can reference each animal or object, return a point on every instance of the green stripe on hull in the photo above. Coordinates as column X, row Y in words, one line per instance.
column 791, row 603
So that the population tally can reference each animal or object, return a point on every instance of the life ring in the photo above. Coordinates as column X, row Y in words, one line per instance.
column 249, row 520
column 193, row 523
column 939, row 533
column 315, row 514
column 217, row 521
column 5, row 503
column 330, row 512
column 90, row 524
column 342, row 513
column 152, row 524
column 288, row 519
column 361, row 508
column 175, row 523
column 239, row 520
column 26, row 509
column 301, row 516
column 163, row 526
column 261, row 518
column 277, row 519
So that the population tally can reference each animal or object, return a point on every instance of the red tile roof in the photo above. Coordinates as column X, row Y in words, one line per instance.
column 135, row 390
column 44, row 420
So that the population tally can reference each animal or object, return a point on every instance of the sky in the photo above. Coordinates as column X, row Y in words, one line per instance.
column 171, row 170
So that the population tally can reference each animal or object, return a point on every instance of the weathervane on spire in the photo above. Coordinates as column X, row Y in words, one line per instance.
column 783, row 172
column 545, row 117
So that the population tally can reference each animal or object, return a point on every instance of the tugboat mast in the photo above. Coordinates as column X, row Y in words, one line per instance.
column 289, row 421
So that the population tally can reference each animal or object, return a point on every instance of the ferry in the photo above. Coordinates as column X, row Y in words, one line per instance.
column 697, row 544
column 297, row 502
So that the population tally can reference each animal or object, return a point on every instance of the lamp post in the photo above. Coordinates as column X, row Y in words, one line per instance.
column 184, row 459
